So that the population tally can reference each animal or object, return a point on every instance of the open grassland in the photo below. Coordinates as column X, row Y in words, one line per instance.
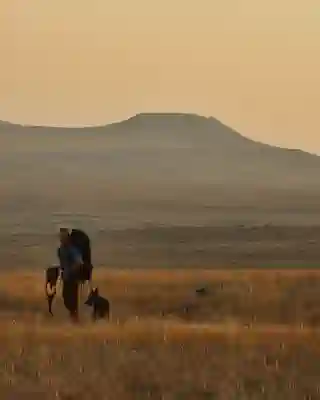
column 251, row 335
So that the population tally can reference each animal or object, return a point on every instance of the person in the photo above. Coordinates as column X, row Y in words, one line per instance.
column 70, row 264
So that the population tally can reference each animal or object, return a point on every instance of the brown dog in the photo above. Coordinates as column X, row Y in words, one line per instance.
column 100, row 305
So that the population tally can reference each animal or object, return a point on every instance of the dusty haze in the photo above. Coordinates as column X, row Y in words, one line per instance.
column 157, row 188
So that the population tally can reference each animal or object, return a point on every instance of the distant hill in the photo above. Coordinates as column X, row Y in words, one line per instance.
column 169, row 148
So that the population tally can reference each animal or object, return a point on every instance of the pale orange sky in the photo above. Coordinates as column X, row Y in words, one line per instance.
column 253, row 64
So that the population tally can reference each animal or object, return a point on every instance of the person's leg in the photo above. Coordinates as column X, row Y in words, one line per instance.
column 70, row 298
column 86, row 275
column 89, row 277
column 74, row 300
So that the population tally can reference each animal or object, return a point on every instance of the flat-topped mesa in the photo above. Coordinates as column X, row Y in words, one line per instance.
column 162, row 147
column 208, row 132
column 167, row 117
column 180, row 123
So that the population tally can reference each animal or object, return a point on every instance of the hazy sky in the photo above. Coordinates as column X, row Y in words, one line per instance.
column 253, row 64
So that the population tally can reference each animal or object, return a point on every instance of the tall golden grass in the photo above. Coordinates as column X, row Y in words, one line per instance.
column 254, row 335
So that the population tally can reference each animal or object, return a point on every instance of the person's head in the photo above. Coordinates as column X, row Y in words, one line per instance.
column 64, row 235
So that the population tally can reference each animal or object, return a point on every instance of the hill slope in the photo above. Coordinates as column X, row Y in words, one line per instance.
column 163, row 148
column 160, row 170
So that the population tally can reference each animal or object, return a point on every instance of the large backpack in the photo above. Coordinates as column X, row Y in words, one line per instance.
column 81, row 241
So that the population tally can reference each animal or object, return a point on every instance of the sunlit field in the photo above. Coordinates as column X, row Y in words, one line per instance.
column 247, row 335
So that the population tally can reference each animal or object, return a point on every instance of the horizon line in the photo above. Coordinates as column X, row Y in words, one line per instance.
column 132, row 116
column 124, row 119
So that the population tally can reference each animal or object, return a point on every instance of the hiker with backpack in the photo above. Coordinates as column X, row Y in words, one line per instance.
column 75, row 268
column 70, row 263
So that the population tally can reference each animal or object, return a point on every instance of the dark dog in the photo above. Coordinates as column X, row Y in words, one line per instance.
column 52, row 276
column 100, row 305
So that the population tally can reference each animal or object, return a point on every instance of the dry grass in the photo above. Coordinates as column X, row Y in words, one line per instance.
column 254, row 335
